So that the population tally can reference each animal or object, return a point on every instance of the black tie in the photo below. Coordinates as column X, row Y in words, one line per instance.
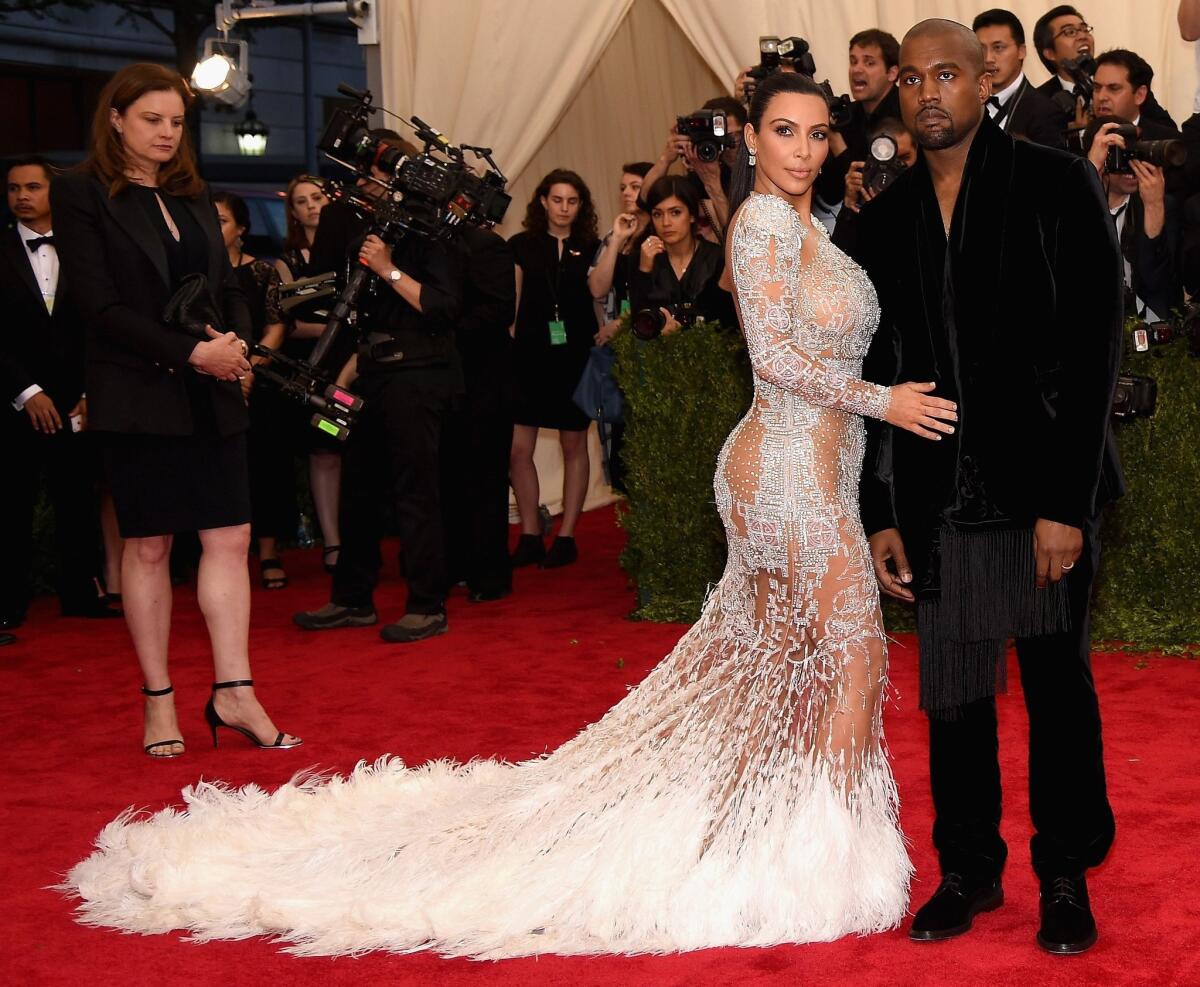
column 41, row 241
column 994, row 101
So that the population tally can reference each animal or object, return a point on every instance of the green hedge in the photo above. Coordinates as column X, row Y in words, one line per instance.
column 684, row 393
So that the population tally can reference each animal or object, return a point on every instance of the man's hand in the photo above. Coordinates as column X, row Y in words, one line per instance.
column 1152, row 187
column 1057, row 548
column 80, row 410
column 376, row 255
column 1104, row 139
column 43, row 416
column 709, row 172
column 887, row 546
column 856, row 192
column 676, row 145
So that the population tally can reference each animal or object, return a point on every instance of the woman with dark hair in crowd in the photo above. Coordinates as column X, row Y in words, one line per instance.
column 608, row 277
column 553, row 333
column 133, row 222
column 306, row 199
column 272, row 479
column 675, row 265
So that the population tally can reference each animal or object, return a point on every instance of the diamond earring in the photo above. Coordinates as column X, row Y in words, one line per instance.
column 752, row 160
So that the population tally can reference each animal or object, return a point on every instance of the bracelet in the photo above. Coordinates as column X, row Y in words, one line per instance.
column 245, row 347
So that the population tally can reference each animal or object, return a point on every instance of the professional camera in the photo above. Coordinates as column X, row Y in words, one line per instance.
column 1147, row 334
column 1162, row 154
column 648, row 323
column 1136, row 397
column 774, row 52
column 706, row 129
column 884, row 165
column 1080, row 70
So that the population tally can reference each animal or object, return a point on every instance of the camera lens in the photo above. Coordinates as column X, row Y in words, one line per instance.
column 883, row 148
column 647, row 323
column 708, row 151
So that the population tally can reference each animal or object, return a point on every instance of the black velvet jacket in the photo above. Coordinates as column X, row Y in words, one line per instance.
column 1017, row 317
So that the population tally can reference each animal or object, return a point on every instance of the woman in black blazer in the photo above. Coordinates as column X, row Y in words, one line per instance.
column 131, row 224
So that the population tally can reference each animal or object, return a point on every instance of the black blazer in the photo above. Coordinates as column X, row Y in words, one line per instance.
column 1036, row 306
column 1034, row 117
column 117, row 268
column 35, row 346
column 1152, row 109
column 700, row 285
column 1154, row 263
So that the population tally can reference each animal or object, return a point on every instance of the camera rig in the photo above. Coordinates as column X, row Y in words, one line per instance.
column 430, row 194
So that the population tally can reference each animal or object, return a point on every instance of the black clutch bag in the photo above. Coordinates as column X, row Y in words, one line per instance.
column 192, row 308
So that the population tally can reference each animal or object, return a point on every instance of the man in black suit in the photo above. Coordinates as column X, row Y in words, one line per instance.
column 998, row 275
column 1061, row 35
column 1015, row 105
column 478, row 436
column 41, row 370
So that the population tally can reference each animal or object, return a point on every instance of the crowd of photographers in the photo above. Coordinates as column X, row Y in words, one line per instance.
column 465, row 347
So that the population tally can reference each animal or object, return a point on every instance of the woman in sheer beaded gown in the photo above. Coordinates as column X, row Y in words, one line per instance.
column 740, row 795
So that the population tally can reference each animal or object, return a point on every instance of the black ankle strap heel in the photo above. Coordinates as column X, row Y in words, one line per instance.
column 214, row 720
column 150, row 748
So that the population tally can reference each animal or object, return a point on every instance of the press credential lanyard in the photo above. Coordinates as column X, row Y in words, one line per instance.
column 558, row 328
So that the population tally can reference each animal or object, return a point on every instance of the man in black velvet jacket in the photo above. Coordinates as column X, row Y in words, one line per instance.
column 998, row 275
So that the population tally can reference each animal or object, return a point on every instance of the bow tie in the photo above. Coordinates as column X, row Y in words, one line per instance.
column 994, row 101
column 41, row 241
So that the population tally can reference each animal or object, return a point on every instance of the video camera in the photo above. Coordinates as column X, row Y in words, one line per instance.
column 1162, row 154
column 648, row 323
column 708, row 132
column 884, row 165
column 774, row 53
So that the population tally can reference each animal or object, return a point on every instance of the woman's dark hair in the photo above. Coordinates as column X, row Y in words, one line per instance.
column 297, row 239
column 677, row 186
column 237, row 208
column 778, row 82
column 639, row 168
column 106, row 159
column 586, row 225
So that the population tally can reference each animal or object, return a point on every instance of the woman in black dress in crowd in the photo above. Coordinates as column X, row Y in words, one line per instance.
column 553, row 333
column 272, row 416
column 675, row 265
column 131, row 223
column 306, row 199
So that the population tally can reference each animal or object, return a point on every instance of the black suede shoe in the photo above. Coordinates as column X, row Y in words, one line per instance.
column 530, row 549
column 953, row 907
column 562, row 552
column 1067, row 923
column 332, row 616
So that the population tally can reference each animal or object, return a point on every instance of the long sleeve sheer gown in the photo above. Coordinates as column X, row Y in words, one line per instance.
column 740, row 795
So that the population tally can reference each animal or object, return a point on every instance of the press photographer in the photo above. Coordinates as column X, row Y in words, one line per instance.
column 892, row 152
column 677, row 278
column 1016, row 106
column 1147, row 218
column 403, row 314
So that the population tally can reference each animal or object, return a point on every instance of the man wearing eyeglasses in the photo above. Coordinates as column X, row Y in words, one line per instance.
column 1060, row 35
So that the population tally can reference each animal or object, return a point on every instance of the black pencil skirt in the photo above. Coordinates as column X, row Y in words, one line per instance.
column 163, row 485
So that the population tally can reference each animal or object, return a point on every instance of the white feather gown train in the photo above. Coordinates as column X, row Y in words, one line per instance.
column 740, row 795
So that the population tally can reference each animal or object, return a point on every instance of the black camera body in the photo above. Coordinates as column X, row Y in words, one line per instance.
column 648, row 323
column 883, row 166
column 1080, row 70
column 774, row 53
column 1162, row 154
column 1135, row 397
column 708, row 132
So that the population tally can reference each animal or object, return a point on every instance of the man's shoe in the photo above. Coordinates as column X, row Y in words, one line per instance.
column 530, row 549
column 562, row 552
column 1067, row 923
column 331, row 615
column 7, row 639
column 488, row 595
column 415, row 627
column 953, row 907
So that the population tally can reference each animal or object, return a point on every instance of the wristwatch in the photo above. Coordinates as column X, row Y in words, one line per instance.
column 394, row 275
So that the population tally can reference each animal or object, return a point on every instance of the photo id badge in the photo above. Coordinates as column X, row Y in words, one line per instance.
column 558, row 332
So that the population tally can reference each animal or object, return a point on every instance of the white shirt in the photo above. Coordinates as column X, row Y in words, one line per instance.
column 44, row 262
column 1196, row 98
column 1004, row 95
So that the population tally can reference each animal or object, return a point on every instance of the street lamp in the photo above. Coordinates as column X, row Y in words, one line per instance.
column 252, row 135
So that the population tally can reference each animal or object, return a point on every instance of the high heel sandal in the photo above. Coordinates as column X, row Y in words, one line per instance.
column 272, row 582
column 214, row 720
column 327, row 551
column 162, row 743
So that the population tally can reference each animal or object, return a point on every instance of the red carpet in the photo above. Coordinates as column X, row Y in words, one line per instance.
column 512, row 679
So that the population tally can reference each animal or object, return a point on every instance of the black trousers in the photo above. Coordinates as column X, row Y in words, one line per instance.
column 1073, row 823
column 68, row 462
column 273, row 442
column 391, row 470
column 475, row 450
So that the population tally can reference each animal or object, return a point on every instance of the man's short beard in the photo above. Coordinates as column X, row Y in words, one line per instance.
column 938, row 141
